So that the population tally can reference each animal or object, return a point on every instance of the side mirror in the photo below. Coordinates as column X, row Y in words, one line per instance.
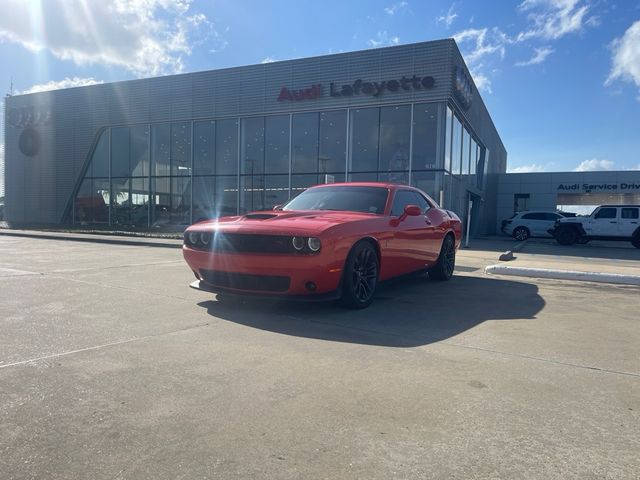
column 277, row 207
column 412, row 210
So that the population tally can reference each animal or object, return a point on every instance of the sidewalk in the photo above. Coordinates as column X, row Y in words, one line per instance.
column 96, row 238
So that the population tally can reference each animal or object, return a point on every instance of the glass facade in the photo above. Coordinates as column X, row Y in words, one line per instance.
column 176, row 173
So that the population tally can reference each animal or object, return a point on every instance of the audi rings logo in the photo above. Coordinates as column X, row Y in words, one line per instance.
column 28, row 117
column 29, row 142
column 464, row 87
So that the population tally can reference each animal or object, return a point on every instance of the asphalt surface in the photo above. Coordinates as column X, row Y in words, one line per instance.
column 112, row 368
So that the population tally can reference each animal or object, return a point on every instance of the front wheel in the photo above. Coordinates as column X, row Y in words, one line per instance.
column 360, row 276
column 446, row 261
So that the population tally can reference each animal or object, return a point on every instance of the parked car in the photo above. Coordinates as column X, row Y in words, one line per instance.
column 523, row 225
column 607, row 222
column 331, row 241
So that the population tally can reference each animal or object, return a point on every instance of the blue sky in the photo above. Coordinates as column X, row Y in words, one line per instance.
column 561, row 78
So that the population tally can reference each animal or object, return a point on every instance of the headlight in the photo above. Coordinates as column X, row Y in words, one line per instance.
column 314, row 244
column 193, row 237
column 205, row 238
column 298, row 243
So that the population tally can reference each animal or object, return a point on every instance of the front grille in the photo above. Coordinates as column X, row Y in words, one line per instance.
column 251, row 243
column 244, row 281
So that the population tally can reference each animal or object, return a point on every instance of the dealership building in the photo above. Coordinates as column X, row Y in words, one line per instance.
column 165, row 152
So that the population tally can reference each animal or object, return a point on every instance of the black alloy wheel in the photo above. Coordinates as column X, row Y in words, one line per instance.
column 521, row 234
column 566, row 236
column 360, row 276
column 446, row 261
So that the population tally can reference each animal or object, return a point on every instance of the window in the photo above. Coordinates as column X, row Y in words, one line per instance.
column 252, row 145
column 631, row 213
column 456, row 149
column 353, row 199
column 333, row 142
column 473, row 160
column 425, row 131
column 606, row 213
column 404, row 198
column 100, row 160
column 120, row 152
column 465, row 151
column 160, row 148
column 227, row 147
column 365, row 129
column 535, row 216
column 277, row 144
column 181, row 148
column 304, row 143
column 204, row 148
column 395, row 133
column 447, row 141
column 139, row 136
column 520, row 202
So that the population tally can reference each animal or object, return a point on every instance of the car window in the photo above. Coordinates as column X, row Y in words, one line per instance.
column 552, row 216
column 534, row 216
column 423, row 203
column 606, row 213
column 342, row 198
column 630, row 213
column 402, row 199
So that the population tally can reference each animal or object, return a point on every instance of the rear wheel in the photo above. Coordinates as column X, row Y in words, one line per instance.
column 566, row 236
column 446, row 260
column 521, row 234
column 360, row 276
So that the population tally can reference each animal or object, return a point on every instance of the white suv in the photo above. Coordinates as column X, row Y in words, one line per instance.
column 608, row 222
column 530, row 224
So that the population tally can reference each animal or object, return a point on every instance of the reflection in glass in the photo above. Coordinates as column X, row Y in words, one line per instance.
column 181, row 148
column 100, row 160
column 333, row 141
column 448, row 140
column 364, row 131
column 139, row 151
column 304, row 141
column 120, row 201
column 277, row 144
column 425, row 133
column 465, row 151
column 395, row 134
column 252, row 138
column 252, row 193
column 204, row 147
column 91, row 204
column 227, row 147
column 160, row 148
column 180, row 201
column 456, row 149
column 429, row 182
column 160, row 202
column 204, row 198
column 474, row 157
column 299, row 183
column 226, row 196
column 120, row 152
column 276, row 190
column 139, row 215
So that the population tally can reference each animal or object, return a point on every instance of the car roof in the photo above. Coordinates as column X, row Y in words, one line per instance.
column 361, row 184
column 632, row 206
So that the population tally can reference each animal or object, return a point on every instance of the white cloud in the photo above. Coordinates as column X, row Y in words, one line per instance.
column 268, row 60
column 383, row 39
column 449, row 17
column 553, row 19
column 533, row 168
column 626, row 57
column 396, row 7
column 65, row 83
column 146, row 37
column 594, row 165
column 539, row 56
column 479, row 45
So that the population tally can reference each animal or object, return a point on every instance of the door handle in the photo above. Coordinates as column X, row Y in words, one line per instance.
column 428, row 222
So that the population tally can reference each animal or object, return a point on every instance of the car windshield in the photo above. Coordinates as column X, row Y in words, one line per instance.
column 351, row 199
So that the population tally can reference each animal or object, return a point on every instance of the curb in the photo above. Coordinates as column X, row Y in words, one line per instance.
column 116, row 240
column 563, row 274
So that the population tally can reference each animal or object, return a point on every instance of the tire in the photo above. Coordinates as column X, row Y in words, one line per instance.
column 360, row 278
column 566, row 236
column 521, row 234
column 446, row 261
column 636, row 241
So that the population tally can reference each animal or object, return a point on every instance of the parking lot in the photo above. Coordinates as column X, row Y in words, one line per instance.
column 112, row 368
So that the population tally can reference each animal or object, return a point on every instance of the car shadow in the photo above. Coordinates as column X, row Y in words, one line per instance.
column 621, row 250
column 406, row 313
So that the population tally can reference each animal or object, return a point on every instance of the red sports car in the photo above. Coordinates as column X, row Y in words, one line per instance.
column 331, row 241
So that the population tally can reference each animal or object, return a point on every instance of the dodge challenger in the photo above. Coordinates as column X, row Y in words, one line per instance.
column 334, row 241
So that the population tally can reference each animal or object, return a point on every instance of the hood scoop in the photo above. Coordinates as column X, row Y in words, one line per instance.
column 260, row 216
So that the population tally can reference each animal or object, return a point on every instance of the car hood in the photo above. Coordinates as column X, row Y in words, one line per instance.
column 310, row 222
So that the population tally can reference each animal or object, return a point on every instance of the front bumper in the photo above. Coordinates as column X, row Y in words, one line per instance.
column 213, row 269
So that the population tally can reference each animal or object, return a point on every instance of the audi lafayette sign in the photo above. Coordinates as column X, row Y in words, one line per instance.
column 359, row 87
